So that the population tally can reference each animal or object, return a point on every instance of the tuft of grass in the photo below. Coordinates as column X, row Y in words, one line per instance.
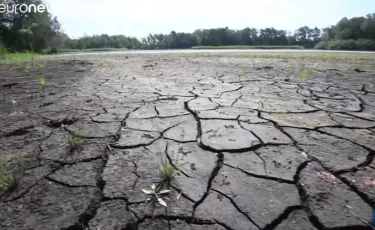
column 8, row 181
column 169, row 171
column 75, row 141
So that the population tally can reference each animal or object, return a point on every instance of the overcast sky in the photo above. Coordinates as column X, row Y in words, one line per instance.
column 141, row 17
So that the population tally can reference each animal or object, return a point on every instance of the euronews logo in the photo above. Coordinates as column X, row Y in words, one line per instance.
column 25, row 8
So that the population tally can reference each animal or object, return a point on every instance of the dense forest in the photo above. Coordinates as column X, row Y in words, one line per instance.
column 41, row 32
column 29, row 31
column 350, row 34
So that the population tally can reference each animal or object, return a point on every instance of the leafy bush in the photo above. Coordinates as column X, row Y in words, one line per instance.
column 3, row 51
column 366, row 44
column 249, row 47
column 322, row 45
column 360, row 44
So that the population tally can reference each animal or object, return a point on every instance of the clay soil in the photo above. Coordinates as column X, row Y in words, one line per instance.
column 258, row 147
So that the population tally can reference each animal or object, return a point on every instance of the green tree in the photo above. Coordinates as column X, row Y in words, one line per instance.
column 31, row 31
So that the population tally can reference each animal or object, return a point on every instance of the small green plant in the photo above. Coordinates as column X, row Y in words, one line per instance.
column 75, row 141
column 38, row 64
column 27, row 67
column 43, row 83
column 73, row 59
column 8, row 181
column 304, row 73
column 14, row 102
column 156, row 195
column 241, row 72
column 168, row 173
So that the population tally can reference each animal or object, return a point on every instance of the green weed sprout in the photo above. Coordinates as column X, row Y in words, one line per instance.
column 43, row 83
column 75, row 141
column 156, row 195
column 27, row 67
column 14, row 102
column 241, row 73
column 38, row 64
column 18, row 62
column 304, row 73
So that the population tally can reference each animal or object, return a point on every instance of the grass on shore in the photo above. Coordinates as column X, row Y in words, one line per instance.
column 317, row 56
column 92, row 50
column 22, row 56
column 19, row 58
column 16, row 57
column 247, row 47
column 282, row 55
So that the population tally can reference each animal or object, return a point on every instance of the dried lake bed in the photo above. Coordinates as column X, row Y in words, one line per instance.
column 257, row 146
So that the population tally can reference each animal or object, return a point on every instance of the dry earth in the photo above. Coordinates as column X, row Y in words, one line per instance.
column 262, row 151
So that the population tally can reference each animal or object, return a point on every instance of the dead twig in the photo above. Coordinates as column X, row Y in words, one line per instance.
column 110, row 149
column 364, row 221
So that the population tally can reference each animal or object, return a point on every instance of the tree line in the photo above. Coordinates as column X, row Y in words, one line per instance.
column 41, row 32
column 103, row 41
column 357, row 33
column 304, row 36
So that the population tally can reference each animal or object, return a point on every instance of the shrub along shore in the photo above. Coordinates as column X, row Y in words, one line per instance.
column 248, row 47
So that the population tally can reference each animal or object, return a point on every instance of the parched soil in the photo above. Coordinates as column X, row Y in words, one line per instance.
column 265, row 150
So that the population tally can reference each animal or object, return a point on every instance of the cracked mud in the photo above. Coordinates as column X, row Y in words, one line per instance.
column 260, row 151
